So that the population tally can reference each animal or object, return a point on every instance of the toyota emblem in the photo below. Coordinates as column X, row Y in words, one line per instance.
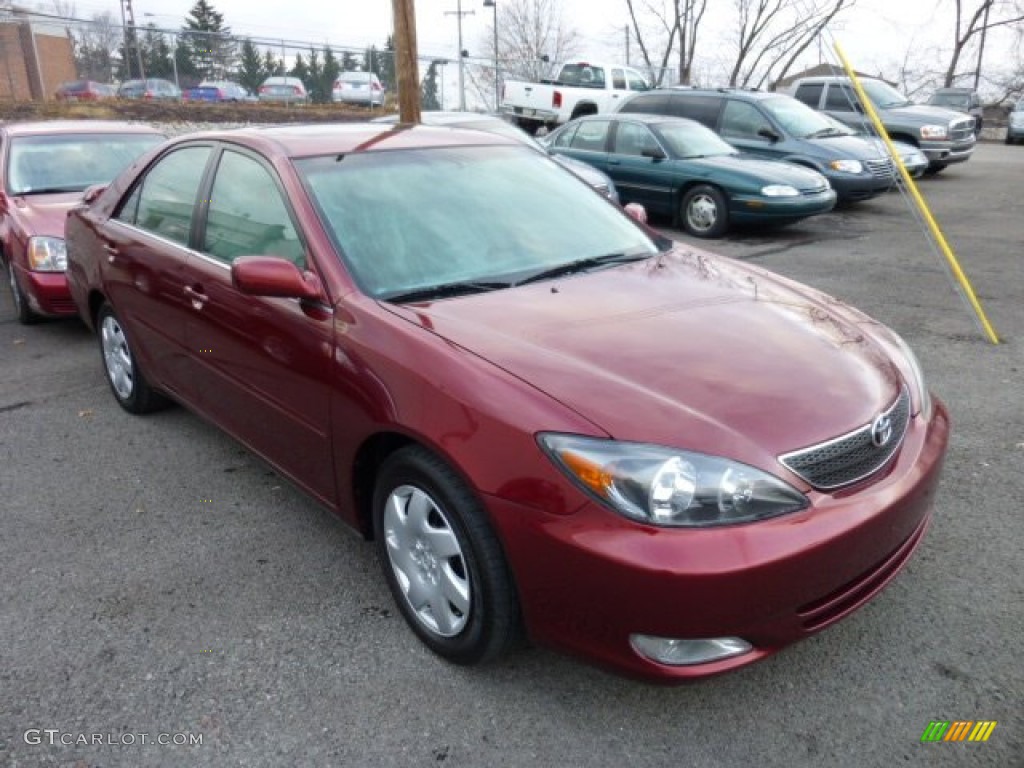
column 881, row 431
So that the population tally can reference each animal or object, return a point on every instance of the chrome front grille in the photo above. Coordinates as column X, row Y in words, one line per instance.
column 853, row 456
column 961, row 130
column 881, row 169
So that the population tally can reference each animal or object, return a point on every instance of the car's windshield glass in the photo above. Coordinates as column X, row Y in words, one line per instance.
column 883, row 95
column 408, row 220
column 797, row 119
column 71, row 162
column 685, row 138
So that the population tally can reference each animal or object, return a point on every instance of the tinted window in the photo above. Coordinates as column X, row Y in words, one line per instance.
column 591, row 135
column 742, row 121
column 840, row 98
column 168, row 194
column 810, row 94
column 633, row 139
column 618, row 79
column 582, row 75
column 648, row 103
column 247, row 214
column 703, row 109
column 636, row 81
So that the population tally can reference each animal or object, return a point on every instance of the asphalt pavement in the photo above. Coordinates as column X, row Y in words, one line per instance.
column 158, row 583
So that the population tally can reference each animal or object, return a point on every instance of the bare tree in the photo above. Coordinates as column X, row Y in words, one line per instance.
column 773, row 34
column 97, row 43
column 987, row 15
column 532, row 34
column 674, row 30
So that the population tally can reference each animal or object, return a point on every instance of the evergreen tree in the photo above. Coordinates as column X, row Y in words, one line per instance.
column 386, row 65
column 272, row 66
column 331, row 70
column 349, row 63
column 156, row 54
column 251, row 69
column 211, row 49
column 371, row 61
column 429, row 94
column 313, row 78
column 299, row 69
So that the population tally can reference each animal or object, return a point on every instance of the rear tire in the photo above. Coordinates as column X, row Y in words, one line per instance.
column 442, row 560
column 127, row 382
column 704, row 212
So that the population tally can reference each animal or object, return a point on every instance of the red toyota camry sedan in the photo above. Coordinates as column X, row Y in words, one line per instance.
column 552, row 422
column 44, row 168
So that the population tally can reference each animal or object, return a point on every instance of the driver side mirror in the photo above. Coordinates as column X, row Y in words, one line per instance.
column 768, row 133
column 275, row 277
column 655, row 153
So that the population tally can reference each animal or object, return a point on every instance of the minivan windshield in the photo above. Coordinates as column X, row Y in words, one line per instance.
column 479, row 217
column 799, row 120
column 883, row 95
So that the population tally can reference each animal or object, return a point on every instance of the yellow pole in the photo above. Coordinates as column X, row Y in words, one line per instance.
column 922, row 206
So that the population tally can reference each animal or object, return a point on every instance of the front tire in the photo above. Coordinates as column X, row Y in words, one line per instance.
column 442, row 560
column 704, row 212
column 127, row 382
column 22, row 310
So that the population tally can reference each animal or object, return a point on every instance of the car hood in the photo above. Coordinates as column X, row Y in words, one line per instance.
column 925, row 113
column 687, row 350
column 44, row 215
column 760, row 170
column 855, row 147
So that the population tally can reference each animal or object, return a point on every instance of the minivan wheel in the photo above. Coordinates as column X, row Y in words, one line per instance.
column 703, row 212
column 442, row 560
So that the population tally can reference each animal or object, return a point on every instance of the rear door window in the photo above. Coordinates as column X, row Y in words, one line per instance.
column 810, row 94
column 840, row 98
column 165, row 202
column 703, row 109
column 648, row 103
column 592, row 136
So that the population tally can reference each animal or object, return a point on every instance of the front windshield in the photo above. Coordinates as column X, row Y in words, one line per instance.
column 71, row 162
column 409, row 220
column 686, row 138
column 800, row 120
column 883, row 95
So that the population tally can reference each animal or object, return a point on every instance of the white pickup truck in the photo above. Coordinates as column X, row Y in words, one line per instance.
column 581, row 88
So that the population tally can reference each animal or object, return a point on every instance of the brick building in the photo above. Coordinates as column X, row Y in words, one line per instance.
column 35, row 58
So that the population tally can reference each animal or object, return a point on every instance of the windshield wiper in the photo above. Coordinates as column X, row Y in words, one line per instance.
column 49, row 190
column 580, row 265
column 446, row 290
column 826, row 132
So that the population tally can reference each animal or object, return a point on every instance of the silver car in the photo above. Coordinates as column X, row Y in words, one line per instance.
column 1015, row 124
column 358, row 88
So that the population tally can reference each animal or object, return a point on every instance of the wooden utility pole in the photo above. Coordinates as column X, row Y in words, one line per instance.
column 406, row 68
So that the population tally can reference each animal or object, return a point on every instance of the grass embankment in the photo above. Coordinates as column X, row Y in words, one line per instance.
column 170, row 112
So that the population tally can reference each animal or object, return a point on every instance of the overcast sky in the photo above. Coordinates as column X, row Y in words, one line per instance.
column 875, row 34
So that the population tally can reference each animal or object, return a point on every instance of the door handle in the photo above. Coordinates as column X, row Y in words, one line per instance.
column 111, row 250
column 196, row 296
column 614, row 162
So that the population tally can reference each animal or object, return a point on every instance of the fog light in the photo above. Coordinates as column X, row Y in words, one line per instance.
column 682, row 653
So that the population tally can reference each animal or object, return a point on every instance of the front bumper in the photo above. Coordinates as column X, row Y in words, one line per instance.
column 47, row 292
column 947, row 153
column 750, row 209
column 589, row 580
column 851, row 187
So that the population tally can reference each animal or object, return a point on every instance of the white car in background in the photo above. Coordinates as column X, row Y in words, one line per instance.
column 362, row 88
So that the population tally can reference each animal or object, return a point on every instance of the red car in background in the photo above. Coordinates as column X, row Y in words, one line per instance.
column 548, row 417
column 85, row 90
column 44, row 168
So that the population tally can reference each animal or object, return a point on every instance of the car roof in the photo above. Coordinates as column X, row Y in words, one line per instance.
column 48, row 127
column 747, row 93
column 637, row 117
column 343, row 138
column 437, row 117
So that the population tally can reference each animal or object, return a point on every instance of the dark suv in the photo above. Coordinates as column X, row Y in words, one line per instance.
column 780, row 127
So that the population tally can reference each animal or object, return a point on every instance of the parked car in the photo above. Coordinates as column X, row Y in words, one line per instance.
column 914, row 160
column 962, row 100
column 362, row 88
column 1015, row 123
column 944, row 135
column 601, row 182
column 668, row 462
column 678, row 167
column 290, row 90
column 84, row 90
column 779, row 127
column 45, row 166
column 218, row 91
column 581, row 88
column 153, row 89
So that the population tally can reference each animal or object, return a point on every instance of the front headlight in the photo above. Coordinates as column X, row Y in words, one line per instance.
column 847, row 166
column 934, row 132
column 47, row 254
column 665, row 487
column 922, row 395
column 779, row 190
